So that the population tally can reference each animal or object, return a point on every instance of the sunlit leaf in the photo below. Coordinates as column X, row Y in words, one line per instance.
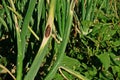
column 105, row 60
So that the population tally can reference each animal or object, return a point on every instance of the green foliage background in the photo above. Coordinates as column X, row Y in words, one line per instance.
column 84, row 42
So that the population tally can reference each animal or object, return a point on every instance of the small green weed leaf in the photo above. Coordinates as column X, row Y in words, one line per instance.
column 93, row 72
column 112, row 32
column 102, row 31
column 70, row 62
column 105, row 60
column 90, row 72
column 85, row 27
column 84, row 65
column 115, row 59
column 58, row 77
column 3, row 60
column 116, row 43
column 108, row 34
column 96, row 29
column 101, row 16
column 116, row 69
column 106, row 75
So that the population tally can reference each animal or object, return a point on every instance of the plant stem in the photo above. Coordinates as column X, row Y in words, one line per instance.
column 63, row 44
column 19, row 46
column 42, row 50
column 26, row 23
column 81, row 77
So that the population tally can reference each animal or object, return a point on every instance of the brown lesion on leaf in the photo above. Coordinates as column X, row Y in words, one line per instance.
column 47, row 31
